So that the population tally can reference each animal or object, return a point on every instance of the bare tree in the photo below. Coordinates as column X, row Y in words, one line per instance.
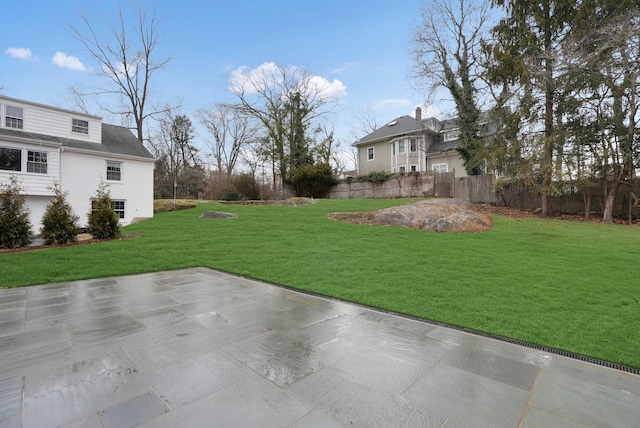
column 285, row 101
column 230, row 132
column 127, row 60
column 447, row 49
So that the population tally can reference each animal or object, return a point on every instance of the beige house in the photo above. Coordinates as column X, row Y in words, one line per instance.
column 411, row 144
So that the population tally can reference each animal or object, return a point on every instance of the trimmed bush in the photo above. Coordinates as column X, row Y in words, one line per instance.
column 312, row 180
column 59, row 223
column 15, row 227
column 103, row 220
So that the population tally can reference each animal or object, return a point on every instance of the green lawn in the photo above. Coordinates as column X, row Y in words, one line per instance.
column 571, row 286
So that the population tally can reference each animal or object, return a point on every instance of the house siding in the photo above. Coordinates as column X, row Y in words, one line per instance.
column 452, row 159
column 82, row 174
column 33, row 183
column 47, row 120
column 381, row 161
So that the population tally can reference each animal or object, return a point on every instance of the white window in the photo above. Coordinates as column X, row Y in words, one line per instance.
column 451, row 135
column 114, row 171
column 80, row 126
column 440, row 167
column 10, row 159
column 370, row 153
column 401, row 148
column 36, row 162
column 403, row 169
column 118, row 207
column 14, row 117
column 413, row 145
column 414, row 168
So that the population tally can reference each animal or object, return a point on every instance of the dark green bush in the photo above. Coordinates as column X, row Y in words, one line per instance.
column 312, row 180
column 59, row 223
column 15, row 227
column 246, row 186
column 230, row 195
column 103, row 220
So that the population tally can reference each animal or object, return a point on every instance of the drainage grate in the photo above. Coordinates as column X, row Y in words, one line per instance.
column 560, row 352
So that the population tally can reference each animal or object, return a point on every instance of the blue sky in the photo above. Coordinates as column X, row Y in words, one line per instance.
column 363, row 44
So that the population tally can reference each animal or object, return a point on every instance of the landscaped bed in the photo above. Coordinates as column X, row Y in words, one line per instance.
column 565, row 285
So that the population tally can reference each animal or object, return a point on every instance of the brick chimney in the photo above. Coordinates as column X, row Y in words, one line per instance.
column 418, row 113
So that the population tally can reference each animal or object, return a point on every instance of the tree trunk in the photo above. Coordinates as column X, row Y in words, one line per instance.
column 610, row 201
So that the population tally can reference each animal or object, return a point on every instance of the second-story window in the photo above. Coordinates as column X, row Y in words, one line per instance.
column 401, row 148
column 413, row 145
column 14, row 117
column 80, row 126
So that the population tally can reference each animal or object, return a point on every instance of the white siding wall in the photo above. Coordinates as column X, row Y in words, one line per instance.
column 34, row 183
column 37, row 206
column 47, row 120
column 82, row 173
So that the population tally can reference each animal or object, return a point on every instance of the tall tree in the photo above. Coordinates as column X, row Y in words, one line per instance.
column 230, row 132
column 127, row 59
column 446, row 47
column 285, row 101
column 178, row 170
column 536, row 30
column 607, row 38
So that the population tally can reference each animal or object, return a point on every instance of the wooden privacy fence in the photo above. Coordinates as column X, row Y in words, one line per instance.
column 480, row 189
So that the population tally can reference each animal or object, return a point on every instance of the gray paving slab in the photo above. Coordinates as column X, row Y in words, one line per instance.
column 197, row 347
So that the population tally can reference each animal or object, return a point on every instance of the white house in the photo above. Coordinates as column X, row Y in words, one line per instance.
column 44, row 145
column 411, row 144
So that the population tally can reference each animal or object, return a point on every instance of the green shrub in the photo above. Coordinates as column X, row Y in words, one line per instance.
column 59, row 223
column 312, row 180
column 230, row 195
column 103, row 220
column 15, row 227
column 246, row 186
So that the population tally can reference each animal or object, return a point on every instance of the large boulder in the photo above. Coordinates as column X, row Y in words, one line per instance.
column 439, row 215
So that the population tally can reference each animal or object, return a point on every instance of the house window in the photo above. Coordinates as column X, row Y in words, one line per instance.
column 80, row 126
column 370, row 153
column 14, row 117
column 114, row 171
column 37, row 162
column 403, row 169
column 393, row 149
column 10, row 159
column 440, row 167
column 401, row 148
column 413, row 145
column 117, row 206
column 414, row 168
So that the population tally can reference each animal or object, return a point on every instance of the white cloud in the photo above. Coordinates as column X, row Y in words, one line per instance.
column 20, row 53
column 269, row 73
column 67, row 61
column 328, row 91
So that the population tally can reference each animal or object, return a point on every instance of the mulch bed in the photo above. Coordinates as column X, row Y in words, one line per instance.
column 80, row 241
column 520, row 214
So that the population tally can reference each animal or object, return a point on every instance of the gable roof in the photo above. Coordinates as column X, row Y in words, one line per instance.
column 116, row 140
column 402, row 125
